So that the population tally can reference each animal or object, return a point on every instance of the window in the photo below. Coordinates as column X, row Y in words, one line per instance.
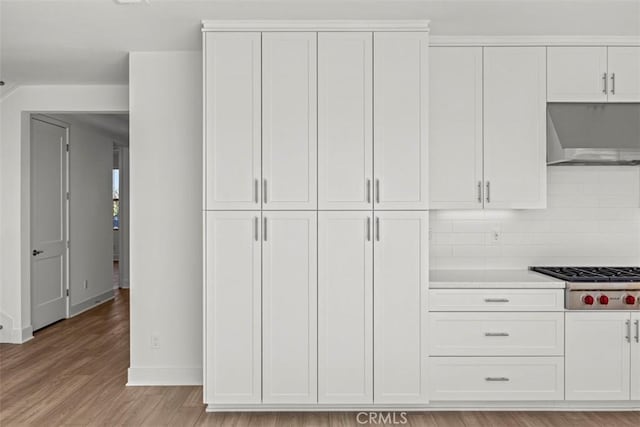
column 116, row 198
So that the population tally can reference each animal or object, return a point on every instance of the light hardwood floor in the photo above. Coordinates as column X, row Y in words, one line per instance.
column 74, row 373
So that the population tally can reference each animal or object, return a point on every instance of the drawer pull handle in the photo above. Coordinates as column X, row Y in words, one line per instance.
column 496, row 300
column 496, row 379
column 496, row 334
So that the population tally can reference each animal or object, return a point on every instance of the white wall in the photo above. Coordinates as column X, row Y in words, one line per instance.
column 593, row 218
column 165, row 215
column 15, row 259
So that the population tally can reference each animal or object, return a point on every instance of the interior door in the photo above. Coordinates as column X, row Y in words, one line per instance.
column 515, row 129
column 289, row 132
column 233, row 302
column 401, row 278
column 400, row 131
column 624, row 74
column 232, row 120
column 345, row 140
column 635, row 356
column 48, row 221
column 577, row 74
column 597, row 355
column 455, row 128
column 290, row 323
column 345, row 307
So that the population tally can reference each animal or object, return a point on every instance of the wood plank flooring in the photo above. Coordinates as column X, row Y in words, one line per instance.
column 74, row 373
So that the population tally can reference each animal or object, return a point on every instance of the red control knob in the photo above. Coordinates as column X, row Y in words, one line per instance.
column 588, row 299
column 603, row 299
column 630, row 299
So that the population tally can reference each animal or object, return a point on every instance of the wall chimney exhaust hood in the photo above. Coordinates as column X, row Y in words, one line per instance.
column 593, row 134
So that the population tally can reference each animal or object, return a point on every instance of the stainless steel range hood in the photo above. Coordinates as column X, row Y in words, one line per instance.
column 593, row 134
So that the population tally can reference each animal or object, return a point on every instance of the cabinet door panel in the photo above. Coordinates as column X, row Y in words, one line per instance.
column 576, row 74
column 289, row 120
column 232, row 313
column 345, row 150
column 289, row 278
column 624, row 74
column 515, row 167
column 232, row 120
column 597, row 356
column 400, row 88
column 455, row 127
column 345, row 307
column 635, row 356
column 401, row 276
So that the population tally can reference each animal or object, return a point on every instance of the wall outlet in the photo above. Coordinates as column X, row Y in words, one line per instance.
column 155, row 341
column 86, row 284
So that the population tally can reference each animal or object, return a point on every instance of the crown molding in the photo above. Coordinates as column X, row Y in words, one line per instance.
column 316, row 25
column 534, row 41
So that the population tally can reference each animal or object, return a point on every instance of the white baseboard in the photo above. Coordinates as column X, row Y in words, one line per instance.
column 11, row 335
column 90, row 303
column 164, row 376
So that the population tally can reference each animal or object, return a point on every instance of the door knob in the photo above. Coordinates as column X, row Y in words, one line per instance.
column 36, row 252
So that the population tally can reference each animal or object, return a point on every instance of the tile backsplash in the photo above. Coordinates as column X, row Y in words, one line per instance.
column 592, row 218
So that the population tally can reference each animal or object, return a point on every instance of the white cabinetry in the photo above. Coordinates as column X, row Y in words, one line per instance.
column 488, row 128
column 289, row 120
column 594, row 74
column 400, row 132
column 401, row 274
column 602, row 355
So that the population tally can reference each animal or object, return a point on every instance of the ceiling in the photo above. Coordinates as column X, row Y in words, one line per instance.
column 87, row 41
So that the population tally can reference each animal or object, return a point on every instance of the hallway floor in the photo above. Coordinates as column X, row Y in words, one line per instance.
column 74, row 373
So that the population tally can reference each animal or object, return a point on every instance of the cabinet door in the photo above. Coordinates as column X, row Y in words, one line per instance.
column 635, row 356
column 624, row 74
column 515, row 169
column 345, row 150
column 455, row 127
column 577, row 74
column 400, row 132
column 401, row 276
column 289, row 276
column 232, row 308
column 345, row 307
column 232, row 120
column 597, row 356
column 289, row 117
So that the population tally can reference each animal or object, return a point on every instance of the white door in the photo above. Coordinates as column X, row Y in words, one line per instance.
column 577, row 74
column 635, row 356
column 289, row 280
column 515, row 168
column 624, row 74
column 455, row 128
column 289, row 132
column 233, row 301
column 345, row 140
column 345, row 307
column 232, row 120
column 401, row 279
column 400, row 132
column 48, row 222
column 597, row 356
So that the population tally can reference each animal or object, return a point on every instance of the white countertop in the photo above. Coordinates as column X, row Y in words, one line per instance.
column 497, row 279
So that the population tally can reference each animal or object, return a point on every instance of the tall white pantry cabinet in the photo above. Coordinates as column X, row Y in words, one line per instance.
column 315, row 214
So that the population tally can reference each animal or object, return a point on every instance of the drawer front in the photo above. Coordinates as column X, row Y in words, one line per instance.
column 496, row 300
column 496, row 378
column 496, row 334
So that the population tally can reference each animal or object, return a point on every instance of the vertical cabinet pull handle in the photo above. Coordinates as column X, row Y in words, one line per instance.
column 368, row 229
column 377, row 191
column 264, row 229
column 494, row 379
column 255, row 190
column 628, row 336
column 479, row 191
column 368, row 190
column 264, row 191
column 255, row 228
column 378, row 229
column 488, row 192
column 613, row 83
column 638, row 331
column 604, row 79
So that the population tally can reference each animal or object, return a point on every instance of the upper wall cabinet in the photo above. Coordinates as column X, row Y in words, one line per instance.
column 232, row 121
column 400, row 132
column 289, row 128
column 345, row 141
column 515, row 169
column 593, row 74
